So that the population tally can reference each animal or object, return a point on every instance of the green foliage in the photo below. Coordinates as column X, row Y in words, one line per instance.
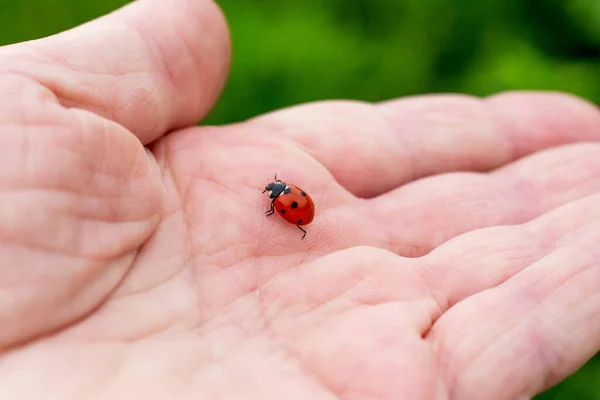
column 297, row 51
column 292, row 52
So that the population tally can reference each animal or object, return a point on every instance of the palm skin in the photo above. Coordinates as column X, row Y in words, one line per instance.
column 453, row 253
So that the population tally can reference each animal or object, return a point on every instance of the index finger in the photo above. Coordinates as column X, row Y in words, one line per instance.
column 151, row 66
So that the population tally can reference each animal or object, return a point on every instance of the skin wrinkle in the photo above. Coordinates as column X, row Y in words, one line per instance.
column 569, row 237
column 569, row 154
column 441, row 302
column 111, row 214
column 409, row 153
column 202, row 100
column 35, row 278
column 292, row 355
column 158, row 54
column 322, row 303
column 102, row 386
column 403, row 247
column 212, row 259
column 109, row 133
column 75, row 292
column 111, row 374
column 154, row 285
column 515, row 195
column 452, row 380
column 477, row 108
column 357, row 366
column 366, row 275
column 149, row 331
column 527, row 260
column 208, row 312
column 537, row 234
column 167, row 171
column 287, row 351
column 509, row 144
column 255, row 289
column 94, row 251
column 388, row 240
column 154, row 91
column 566, row 279
column 25, row 147
column 156, row 330
column 166, row 217
column 547, row 354
column 37, row 241
column 544, row 355
column 24, row 64
column 522, row 192
column 517, row 324
column 304, row 366
column 126, row 265
column 503, row 105
column 72, row 193
column 70, row 95
column 39, row 246
column 97, row 171
column 495, row 342
column 122, row 247
column 67, row 94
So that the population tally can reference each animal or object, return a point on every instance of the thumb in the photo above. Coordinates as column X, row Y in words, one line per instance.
column 151, row 66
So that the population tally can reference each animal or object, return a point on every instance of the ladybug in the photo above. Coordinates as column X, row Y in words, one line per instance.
column 292, row 203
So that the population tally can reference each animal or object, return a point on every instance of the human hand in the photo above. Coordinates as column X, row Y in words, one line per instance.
column 453, row 254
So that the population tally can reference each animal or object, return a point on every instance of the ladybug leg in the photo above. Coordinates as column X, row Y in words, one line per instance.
column 271, row 211
column 299, row 227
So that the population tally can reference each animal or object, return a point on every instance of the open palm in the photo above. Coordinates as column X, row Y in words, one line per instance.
column 453, row 253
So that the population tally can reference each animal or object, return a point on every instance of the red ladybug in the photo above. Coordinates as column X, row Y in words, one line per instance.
column 292, row 203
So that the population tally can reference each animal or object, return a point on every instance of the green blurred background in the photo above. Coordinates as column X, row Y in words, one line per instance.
column 288, row 52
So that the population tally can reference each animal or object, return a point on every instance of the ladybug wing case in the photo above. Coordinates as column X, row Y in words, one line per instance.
column 296, row 207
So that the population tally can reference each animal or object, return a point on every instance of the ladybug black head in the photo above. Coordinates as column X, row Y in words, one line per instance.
column 275, row 188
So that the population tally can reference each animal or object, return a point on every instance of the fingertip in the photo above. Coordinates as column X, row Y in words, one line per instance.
column 534, row 121
column 193, row 52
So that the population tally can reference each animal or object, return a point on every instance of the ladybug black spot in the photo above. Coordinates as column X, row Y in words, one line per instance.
column 283, row 210
column 287, row 190
column 302, row 194
column 299, row 221
column 295, row 204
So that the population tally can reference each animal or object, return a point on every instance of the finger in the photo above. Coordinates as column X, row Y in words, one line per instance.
column 418, row 217
column 371, row 149
column 79, row 196
column 485, row 258
column 150, row 66
column 540, row 319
